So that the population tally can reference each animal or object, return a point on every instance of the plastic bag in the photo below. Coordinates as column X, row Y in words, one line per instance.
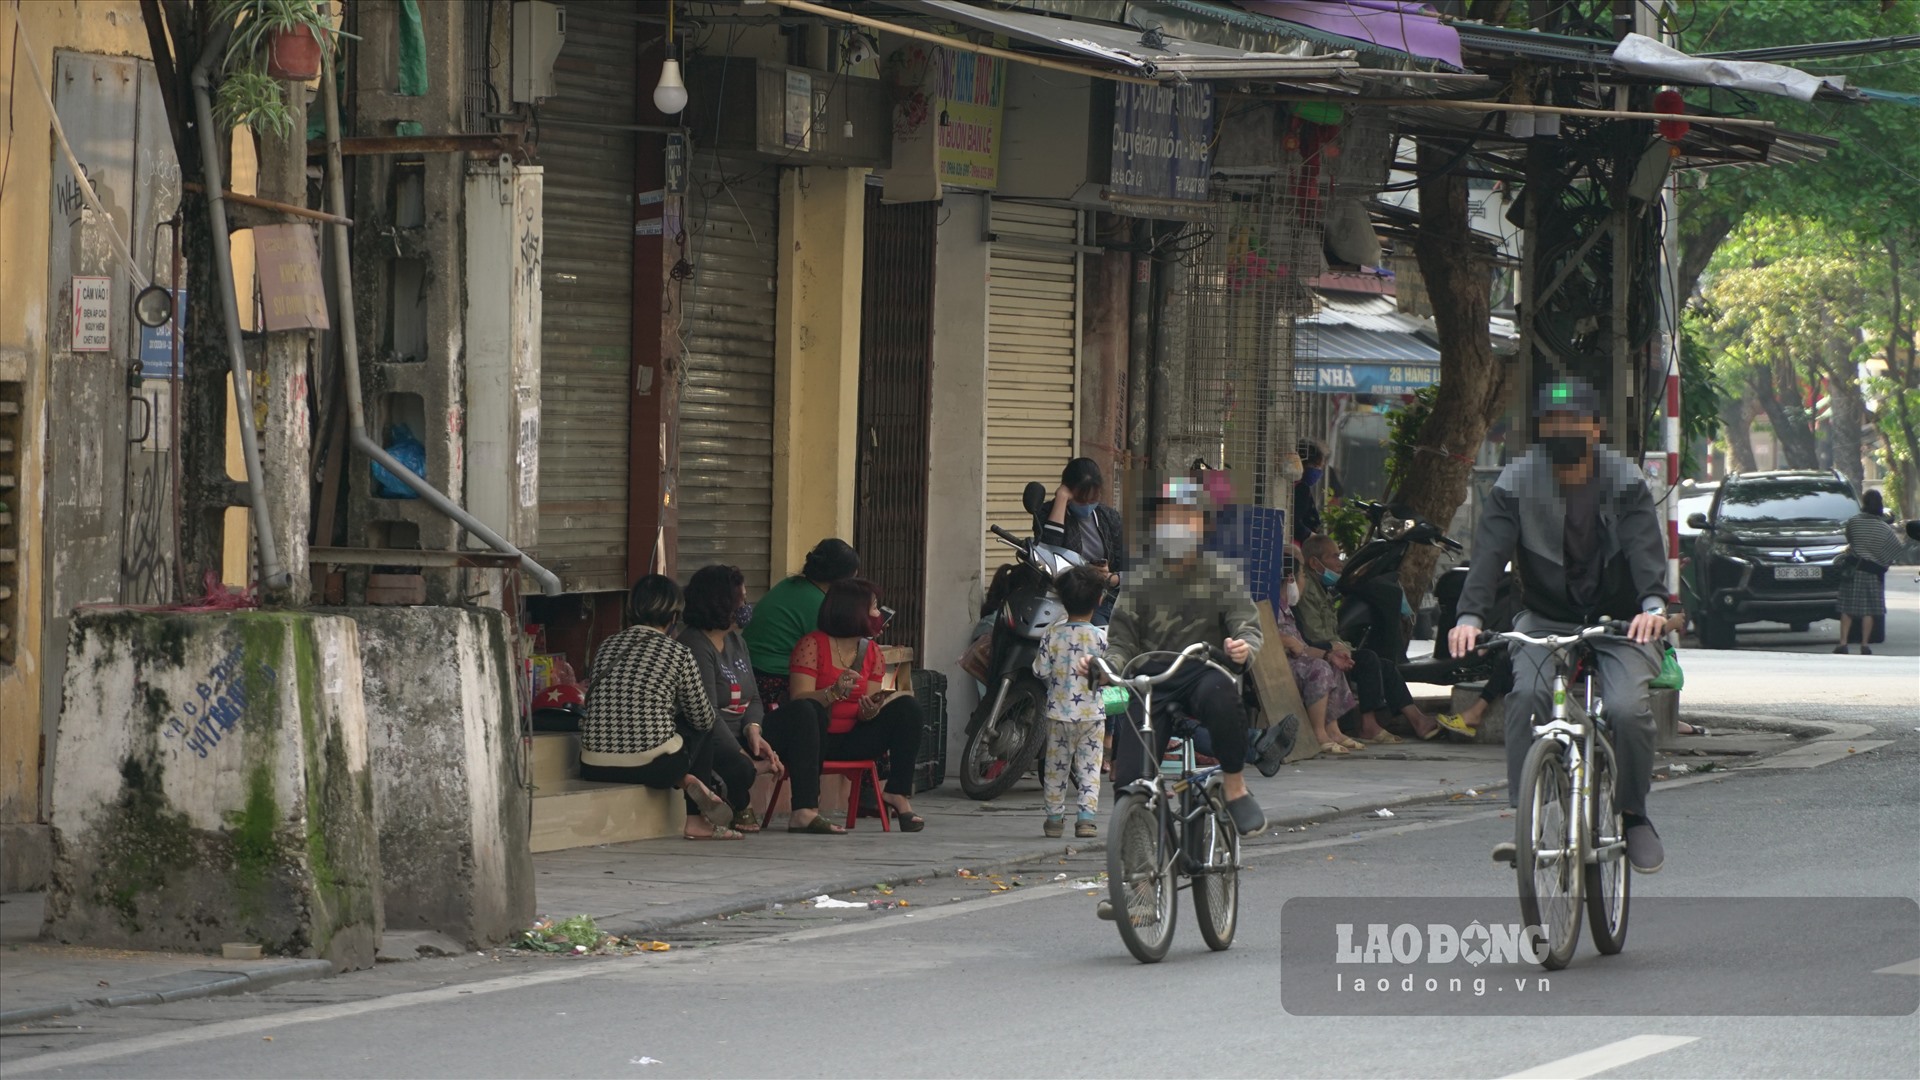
column 409, row 452
column 1670, row 677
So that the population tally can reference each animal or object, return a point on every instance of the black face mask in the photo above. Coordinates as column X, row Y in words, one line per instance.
column 1565, row 449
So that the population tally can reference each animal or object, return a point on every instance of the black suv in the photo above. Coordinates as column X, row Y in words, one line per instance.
column 1765, row 552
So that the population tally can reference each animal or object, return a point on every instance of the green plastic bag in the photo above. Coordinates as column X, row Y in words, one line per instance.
column 1670, row 677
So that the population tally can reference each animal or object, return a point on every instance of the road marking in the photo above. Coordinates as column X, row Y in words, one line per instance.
column 1602, row 1058
column 1911, row 967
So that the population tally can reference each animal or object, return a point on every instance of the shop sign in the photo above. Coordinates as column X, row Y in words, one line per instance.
column 972, row 94
column 1385, row 380
column 1162, row 141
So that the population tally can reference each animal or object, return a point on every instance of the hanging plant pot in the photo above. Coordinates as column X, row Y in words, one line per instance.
column 294, row 54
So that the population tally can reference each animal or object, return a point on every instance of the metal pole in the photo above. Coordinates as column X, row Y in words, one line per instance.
column 271, row 572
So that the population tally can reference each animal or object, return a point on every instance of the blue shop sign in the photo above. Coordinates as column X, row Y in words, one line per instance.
column 1380, row 379
column 156, row 342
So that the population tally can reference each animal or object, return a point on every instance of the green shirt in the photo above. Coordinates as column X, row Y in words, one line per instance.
column 789, row 612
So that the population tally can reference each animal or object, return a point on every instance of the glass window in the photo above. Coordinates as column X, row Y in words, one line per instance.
column 1787, row 502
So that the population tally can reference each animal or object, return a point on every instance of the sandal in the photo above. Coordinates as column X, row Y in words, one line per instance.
column 906, row 819
column 747, row 821
column 1351, row 743
column 1055, row 828
column 819, row 826
column 1386, row 738
column 720, row 832
column 1457, row 724
column 1333, row 748
column 1085, row 828
column 712, row 807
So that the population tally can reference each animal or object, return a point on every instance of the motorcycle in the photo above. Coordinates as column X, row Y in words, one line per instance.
column 1372, row 603
column 1008, row 729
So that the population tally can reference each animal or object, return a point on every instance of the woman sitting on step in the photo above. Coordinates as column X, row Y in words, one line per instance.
column 648, row 718
column 714, row 598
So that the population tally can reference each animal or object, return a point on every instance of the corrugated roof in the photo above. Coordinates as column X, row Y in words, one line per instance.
column 1352, row 343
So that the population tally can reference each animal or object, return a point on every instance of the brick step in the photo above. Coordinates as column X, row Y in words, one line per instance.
column 574, row 813
column 556, row 758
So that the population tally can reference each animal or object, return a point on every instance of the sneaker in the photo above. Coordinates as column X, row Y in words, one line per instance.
column 1644, row 849
column 1085, row 828
column 1055, row 827
column 1247, row 815
column 1104, row 911
column 1505, row 853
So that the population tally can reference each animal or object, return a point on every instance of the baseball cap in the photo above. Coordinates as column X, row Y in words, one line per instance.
column 1568, row 396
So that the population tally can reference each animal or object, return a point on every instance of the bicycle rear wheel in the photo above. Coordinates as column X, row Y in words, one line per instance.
column 1608, row 877
column 1547, row 873
column 1216, row 893
column 1140, row 879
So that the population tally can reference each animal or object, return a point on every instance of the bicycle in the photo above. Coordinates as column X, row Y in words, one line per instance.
column 1570, row 848
column 1165, row 829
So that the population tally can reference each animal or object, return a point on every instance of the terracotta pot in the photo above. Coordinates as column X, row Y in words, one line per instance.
column 294, row 54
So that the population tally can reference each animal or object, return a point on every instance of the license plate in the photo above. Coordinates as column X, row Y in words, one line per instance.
column 1797, row 573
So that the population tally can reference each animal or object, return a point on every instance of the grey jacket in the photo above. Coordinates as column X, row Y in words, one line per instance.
column 1525, row 521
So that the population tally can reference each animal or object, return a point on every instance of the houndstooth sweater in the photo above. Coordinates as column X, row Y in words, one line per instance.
column 644, row 685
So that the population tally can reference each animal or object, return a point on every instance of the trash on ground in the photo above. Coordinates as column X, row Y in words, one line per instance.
column 1383, row 812
column 646, row 1061
column 825, row 901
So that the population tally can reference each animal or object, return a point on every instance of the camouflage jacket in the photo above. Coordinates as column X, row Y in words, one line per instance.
column 1167, row 608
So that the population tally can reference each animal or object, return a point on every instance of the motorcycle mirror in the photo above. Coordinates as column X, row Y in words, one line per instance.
column 1034, row 497
column 1913, row 529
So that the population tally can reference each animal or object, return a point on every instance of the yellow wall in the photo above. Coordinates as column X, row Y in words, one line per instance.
column 816, row 359
column 108, row 27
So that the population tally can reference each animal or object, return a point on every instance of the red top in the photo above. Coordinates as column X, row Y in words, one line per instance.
column 814, row 656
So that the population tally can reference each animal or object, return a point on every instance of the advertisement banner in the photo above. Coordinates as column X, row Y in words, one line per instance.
column 1386, row 380
column 1162, row 141
column 971, row 92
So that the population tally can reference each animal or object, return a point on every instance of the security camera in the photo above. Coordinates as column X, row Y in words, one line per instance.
column 860, row 49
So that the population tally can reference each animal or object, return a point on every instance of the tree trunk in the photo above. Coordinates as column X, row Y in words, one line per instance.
column 1846, row 432
column 1789, row 416
column 1471, row 377
column 1901, row 370
column 1736, row 417
column 1701, row 235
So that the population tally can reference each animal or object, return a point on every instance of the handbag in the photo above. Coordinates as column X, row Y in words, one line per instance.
column 1670, row 677
column 974, row 660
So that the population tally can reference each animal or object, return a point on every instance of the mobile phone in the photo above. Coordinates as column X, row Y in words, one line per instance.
column 886, row 616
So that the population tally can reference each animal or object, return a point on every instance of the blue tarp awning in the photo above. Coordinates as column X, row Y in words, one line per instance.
column 1352, row 343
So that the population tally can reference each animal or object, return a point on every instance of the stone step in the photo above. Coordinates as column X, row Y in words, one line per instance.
column 556, row 757
column 580, row 813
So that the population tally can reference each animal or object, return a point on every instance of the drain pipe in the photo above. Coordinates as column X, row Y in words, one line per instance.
column 350, row 357
column 271, row 572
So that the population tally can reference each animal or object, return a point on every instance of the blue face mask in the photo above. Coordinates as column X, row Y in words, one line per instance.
column 1080, row 510
column 1311, row 477
column 1329, row 577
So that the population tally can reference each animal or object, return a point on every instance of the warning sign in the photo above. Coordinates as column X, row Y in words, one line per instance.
column 92, row 313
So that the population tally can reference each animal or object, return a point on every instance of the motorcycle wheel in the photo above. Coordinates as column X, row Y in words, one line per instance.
column 990, row 767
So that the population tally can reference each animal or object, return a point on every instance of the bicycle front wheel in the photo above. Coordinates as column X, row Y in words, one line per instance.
column 1608, row 879
column 1216, row 891
column 1140, row 879
column 1548, row 872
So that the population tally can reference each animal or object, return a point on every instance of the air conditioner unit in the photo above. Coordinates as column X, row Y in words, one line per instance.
column 797, row 115
column 539, row 30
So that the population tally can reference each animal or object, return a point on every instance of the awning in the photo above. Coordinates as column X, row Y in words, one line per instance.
column 1642, row 55
column 1404, row 26
column 1150, row 53
column 1351, row 343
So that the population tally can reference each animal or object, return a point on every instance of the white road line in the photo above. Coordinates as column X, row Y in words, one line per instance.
column 1911, row 967
column 1602, row 1058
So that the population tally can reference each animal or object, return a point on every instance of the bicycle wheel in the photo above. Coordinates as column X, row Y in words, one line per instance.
column 1608, row 877
column 1216, row 894
column 1548, row 874
column 1140, row 879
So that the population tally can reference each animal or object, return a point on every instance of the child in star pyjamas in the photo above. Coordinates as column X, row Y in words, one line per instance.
column 1076, row 722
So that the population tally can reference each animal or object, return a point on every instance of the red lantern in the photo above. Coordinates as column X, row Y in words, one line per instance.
column 1671, row 103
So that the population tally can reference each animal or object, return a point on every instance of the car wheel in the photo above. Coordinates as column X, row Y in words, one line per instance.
column 1716, row 633
column 1800, row 627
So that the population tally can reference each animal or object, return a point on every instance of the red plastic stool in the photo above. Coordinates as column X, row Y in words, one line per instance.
column 856, row 773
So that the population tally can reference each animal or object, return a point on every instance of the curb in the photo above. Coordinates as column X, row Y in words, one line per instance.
column 759, row 901
column 223, row 982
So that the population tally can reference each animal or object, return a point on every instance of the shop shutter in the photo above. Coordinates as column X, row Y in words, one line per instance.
column 586, row 337
column 725, row 489
column 1033, row 348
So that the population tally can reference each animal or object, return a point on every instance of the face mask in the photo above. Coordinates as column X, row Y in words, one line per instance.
column 1178, row 541
column 1565, row 449
column 1311, row 477
column 875, row 624
column 1080, row 510
column 743, row 615
column 1329, row 576
column 1293, row 594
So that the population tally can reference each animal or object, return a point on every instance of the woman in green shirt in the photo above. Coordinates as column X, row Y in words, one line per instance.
column 791, row 611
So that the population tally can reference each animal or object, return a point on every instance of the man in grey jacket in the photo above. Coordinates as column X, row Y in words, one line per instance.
column 1579, row 525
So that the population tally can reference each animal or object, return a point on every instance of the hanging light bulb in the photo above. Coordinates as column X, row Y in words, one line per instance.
column 670, row 96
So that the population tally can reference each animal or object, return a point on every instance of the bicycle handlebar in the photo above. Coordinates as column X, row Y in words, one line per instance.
column 1142, row 683
column 1606, row 627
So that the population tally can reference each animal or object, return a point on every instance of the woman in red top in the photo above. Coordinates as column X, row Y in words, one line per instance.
column 836, row 702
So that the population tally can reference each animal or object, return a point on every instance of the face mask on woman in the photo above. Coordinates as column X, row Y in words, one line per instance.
column 1293, row 594
column 1080, row 509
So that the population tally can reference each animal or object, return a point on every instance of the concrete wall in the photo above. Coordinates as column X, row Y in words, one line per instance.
column 957, row 449
column 211, row 784
column 816, row 387
column 444, row 742
column 109, row 27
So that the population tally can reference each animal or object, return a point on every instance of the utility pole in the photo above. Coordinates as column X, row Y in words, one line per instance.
column 286, row 445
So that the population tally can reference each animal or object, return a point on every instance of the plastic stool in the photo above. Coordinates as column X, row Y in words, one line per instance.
column 856, row 773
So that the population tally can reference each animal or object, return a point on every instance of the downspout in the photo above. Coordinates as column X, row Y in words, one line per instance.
column 271, row 572
column 350, row 357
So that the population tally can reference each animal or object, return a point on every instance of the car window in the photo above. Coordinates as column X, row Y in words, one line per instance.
column 1786, row 502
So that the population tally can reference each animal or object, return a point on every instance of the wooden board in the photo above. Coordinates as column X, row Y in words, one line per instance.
column 1273, row 680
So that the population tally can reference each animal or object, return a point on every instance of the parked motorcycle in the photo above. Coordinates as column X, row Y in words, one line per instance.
column 1372, row 603
column 1008, row 729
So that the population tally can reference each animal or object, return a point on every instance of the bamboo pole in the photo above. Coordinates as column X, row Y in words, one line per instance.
column 1499, row 106
column 276, row 207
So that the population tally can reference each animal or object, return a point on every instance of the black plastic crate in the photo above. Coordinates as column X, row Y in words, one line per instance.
column 930, row 690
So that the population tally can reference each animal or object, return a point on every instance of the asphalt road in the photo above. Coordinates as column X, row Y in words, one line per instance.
column 971, row 980
column 1903, row 624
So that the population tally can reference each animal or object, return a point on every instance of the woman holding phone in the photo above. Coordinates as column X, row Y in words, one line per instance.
column 1078, row 521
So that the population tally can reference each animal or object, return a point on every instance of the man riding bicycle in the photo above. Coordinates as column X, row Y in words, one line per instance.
column 1578, row 523
column 1182, row 595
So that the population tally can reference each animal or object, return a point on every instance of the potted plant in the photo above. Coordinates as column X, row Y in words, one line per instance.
column 273, row 42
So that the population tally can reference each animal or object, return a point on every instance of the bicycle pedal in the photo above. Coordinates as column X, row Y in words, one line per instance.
column 1505, row 854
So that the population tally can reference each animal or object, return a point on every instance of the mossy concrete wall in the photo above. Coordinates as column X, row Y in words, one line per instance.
column 452, row 808
column 211, row 784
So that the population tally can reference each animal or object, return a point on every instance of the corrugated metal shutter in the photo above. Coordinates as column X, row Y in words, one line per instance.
column 725, row 490
column 1033, row 347
column 586, row 336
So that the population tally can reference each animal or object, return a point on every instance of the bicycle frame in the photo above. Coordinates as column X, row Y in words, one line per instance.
column 1190, row 787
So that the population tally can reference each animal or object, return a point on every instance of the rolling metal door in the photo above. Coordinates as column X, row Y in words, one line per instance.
column 1033, row 348
column 586, row 336
column 725, row 489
